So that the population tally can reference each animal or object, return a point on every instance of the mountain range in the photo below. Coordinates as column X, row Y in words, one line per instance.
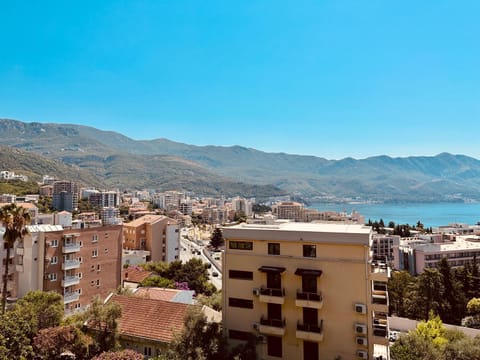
column 106, row 158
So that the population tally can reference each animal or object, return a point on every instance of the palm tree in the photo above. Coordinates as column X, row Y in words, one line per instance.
column 15, row 219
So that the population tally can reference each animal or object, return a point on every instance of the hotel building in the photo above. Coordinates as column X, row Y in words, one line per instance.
column 304, row 290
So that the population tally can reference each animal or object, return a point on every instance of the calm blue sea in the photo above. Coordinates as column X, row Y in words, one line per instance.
column 433, row 214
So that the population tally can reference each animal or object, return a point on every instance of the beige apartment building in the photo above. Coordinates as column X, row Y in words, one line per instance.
column 79, row 264
column 157, row 234
column 305, row 290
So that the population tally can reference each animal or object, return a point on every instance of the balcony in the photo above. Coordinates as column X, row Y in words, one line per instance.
column 20, row 251
column 272, row 326
column 379, row 272
column 70, row 281
column 70, row 248
column 70, row 264
column 70, row 297
column 274, row 296
column 309, row 299
column 310, row 332
column 380, row 302
column 380, row 334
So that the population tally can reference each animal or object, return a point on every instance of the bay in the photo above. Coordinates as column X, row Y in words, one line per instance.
column 430, row 214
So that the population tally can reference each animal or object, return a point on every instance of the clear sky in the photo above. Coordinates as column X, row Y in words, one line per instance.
column 326, row 78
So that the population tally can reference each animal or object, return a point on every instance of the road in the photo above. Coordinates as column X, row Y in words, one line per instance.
column 190, row 249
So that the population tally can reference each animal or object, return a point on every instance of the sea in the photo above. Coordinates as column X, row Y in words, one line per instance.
column 429, row 214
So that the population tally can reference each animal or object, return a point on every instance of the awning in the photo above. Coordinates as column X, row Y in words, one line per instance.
column 302, row 272
column 272, row 269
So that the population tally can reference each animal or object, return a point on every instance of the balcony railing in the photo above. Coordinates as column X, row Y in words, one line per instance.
column 310, row 332
column 71, row 247
column 379, row 300
column 70, row 280
column 70, row 297
column 272, row 296
column 272, row 322
column 272, row 292
column 315, row 328
column 309, row 296
column 381, row 331
column 71, row 264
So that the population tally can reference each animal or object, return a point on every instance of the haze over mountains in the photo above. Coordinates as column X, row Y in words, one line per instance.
column 106, row 158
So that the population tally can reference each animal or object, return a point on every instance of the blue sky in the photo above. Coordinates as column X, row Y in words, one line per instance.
column 326, row 78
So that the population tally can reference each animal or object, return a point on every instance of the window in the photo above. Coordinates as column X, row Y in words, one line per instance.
column 80, row 259
column 79, row 291
column 98, row 282
column 53, row 277
column 241, row 275
column 241, row 245
column 54, row 260
column 309, row 283
column 80, row 243
column 54, row 243
column 238, row 335
column 95, row 238
column 274, row 280
column 274, row 346
column 94, row 253
column 79, row 275
column 309, row 251
column 273, row 249
column 241, row 303
column 98, row 267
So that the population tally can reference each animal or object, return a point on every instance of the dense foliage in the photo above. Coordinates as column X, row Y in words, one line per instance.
column 193, row 273
column 432, row 341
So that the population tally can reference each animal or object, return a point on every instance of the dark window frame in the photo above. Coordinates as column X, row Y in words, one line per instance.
column 240, row 275
column 240, row 245
column 240, row 303
column 274, row 346
column 309, row 250
column 273, row 248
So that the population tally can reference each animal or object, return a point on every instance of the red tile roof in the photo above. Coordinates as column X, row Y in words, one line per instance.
column 151, row 319
column 156, row 293
column 136, row 274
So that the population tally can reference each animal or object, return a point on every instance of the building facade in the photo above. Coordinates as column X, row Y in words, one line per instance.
column 65, row 195
column 77, row 263
column 158, row 234
column 306, row 291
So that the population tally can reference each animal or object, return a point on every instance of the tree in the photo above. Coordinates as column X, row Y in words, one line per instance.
column 15, row 219
column 14, row 340
column 453, row 305
column 51, row 342
column 102, row 324
column 41, row 309
column 400, row 287
column 216, row 239
column 198, row 340
column 428, row 295
column 473, row 310
column 119, row 355
column 240, row 216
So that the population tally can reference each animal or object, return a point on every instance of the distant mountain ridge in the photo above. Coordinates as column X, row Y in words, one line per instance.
column 114, row 158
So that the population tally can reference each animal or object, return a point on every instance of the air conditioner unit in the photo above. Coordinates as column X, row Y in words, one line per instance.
column 256, row 292
column 360, row 308
column 361, row 340
column 361, row 354
column 360, row 328
column 256, row 326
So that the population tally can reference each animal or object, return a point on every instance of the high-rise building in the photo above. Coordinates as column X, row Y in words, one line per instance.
column 65, row 195
column 77, row 263
column 305, row 290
